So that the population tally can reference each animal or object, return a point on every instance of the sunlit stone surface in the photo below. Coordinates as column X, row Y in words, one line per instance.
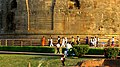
column 60, row 17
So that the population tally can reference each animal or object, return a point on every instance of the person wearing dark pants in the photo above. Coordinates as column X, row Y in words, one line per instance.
column 59, row 39
column 63, row 60
column 78, row 40
column 72, row 41
column 112, row 41
column 87, row 39
column 58, row 48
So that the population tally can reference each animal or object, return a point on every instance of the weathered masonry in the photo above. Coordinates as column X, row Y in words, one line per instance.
column 60, row 17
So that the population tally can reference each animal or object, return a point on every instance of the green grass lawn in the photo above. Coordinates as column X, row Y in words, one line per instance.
column 12, row 60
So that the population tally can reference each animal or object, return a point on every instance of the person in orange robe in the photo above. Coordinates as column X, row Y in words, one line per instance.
column 43, row 41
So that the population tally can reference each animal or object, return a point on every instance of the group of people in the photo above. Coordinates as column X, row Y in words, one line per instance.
column 62, row 41
column 93, row 41
column 65, row 43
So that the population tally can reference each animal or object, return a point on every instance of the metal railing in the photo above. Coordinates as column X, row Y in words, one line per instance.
column 37, row 42
column 20, row 42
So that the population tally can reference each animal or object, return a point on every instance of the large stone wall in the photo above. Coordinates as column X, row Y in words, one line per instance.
column 63, row 17
column 93, row 17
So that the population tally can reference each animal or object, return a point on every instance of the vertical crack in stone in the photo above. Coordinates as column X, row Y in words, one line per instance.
column 52, row 13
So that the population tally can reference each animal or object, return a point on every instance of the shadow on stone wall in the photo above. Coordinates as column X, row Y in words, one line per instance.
column 10, row 24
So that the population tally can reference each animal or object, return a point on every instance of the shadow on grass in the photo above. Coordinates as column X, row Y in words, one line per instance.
column 45, row 57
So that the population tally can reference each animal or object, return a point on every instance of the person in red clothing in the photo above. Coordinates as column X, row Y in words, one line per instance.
column 43, row 41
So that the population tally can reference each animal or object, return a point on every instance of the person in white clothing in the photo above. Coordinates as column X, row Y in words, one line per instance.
column 51, row 42
column 95, row 41
column 63, row 42
column 68, row 46
column 58, row 48
column 91, row 40
column 112, row 41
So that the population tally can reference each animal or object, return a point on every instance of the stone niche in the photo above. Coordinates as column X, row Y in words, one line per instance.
column 63, row 16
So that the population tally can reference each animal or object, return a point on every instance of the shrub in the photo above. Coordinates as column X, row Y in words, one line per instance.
column 63, row 49
column 80, row 50
column 111, row 52
column 95, row 51
column 39, row 49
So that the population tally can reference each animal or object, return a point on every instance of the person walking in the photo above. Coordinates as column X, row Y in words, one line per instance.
column 72, row 41
column 59, row 39
column 91, row 41
column 112, row 41
column 58, row 48
column 63, row 42
column 51, row 42
column 95, row 41
column 86, row 39
column 43, row 41
column 78, row 40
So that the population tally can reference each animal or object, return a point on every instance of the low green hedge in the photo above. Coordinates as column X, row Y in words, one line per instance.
column 41, row 49
column 96, row 51
column 46, row 49
column 63, row 49
column 91, row 51
column 111, row 52
column 80, row 50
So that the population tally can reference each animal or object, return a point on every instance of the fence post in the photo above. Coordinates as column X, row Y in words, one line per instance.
column 6, row 42
column 30, row 42
column 0, row 43
column 12, row 42
column 21, row 43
